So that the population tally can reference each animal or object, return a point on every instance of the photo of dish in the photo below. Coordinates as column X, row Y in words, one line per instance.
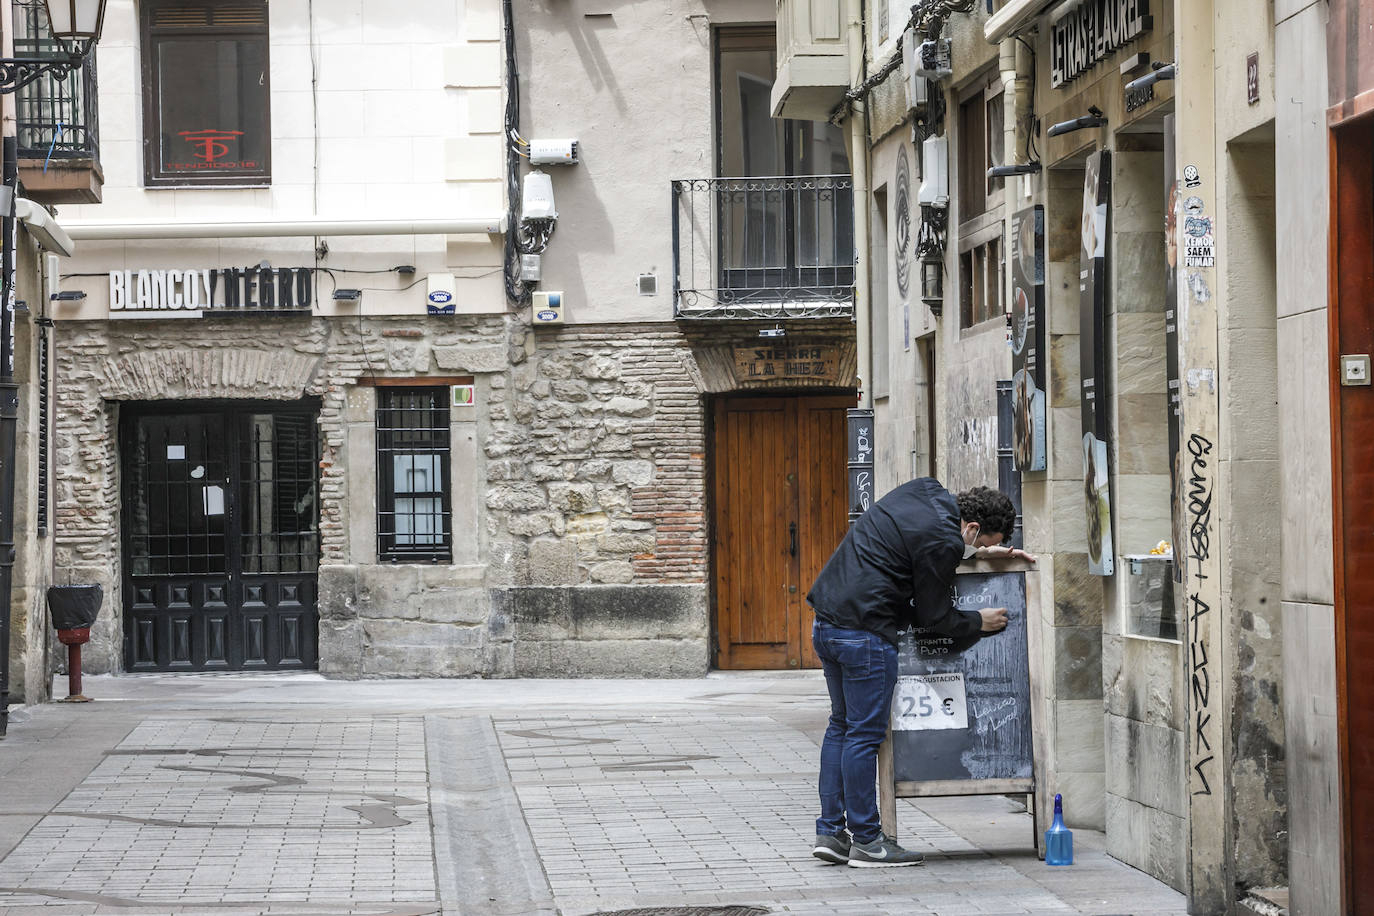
column 1025, row 249
column 1094, row 229
column 1023, row 421
column 1020, row 321
column 1097, row 504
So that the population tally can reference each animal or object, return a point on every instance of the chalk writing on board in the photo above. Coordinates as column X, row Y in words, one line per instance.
column 994, row 742
column 859, row 424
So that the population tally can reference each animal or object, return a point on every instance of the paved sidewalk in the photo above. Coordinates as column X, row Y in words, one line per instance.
column 296, row 796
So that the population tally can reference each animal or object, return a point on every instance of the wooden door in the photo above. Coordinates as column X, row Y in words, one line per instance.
column 779, row 468
column 1352, row 282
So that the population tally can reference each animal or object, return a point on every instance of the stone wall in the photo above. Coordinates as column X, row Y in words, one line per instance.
column 1142, row 679
column 1071, row 599
column 31, row 637
column 581, row 549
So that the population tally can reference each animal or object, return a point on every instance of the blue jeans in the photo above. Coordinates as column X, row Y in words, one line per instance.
column 860, row 673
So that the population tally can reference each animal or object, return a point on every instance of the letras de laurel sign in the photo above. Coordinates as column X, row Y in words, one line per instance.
column 783, row 361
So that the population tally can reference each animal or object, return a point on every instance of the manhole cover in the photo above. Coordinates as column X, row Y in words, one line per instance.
column 688, row 911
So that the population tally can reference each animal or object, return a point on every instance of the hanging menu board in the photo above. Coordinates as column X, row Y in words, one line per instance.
column 1092, row 342
column 1028, row 338
column 859, row 436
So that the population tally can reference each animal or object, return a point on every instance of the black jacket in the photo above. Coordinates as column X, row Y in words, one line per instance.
column 906, row 546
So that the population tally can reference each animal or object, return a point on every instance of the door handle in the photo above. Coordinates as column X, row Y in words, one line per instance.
column 792, row 538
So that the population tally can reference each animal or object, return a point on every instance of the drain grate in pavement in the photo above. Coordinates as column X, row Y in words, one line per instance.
column 688, row 911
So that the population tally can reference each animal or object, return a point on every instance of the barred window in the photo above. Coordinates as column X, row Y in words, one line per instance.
column 414, row 520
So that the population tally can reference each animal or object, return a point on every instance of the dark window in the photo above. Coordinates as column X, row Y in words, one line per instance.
column 980, row 279
column 981, row 121
column 413, row 503
column 785, row 218
column 205, row 76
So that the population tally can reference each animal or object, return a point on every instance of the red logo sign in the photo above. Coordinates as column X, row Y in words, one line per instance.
column 210, row 144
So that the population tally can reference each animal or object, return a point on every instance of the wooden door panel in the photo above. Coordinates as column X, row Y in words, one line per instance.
column 750, row 540
column 1352, row 281
column 780, row 509
column 823, row 506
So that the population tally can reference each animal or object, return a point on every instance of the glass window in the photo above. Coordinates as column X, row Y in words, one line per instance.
column 205, row 69
column 980, row 276
column 981, row 144
column 784, row 204
column 413, row 500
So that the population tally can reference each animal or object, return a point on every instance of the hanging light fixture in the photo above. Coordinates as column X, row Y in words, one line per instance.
column 76, row 24
column 933, row 284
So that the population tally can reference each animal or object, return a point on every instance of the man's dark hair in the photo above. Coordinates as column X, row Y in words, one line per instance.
column 991, row 509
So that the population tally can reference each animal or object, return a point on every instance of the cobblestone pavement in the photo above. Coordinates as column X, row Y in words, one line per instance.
column 297, row 797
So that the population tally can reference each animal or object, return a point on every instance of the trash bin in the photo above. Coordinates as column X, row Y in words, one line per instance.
column 73, row 608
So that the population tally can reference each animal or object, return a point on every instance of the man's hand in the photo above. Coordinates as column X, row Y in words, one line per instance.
column 994, row 619
column 1003, row 553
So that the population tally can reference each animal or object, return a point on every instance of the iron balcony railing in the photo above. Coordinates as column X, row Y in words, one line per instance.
column 55, row 116
column 778, row 247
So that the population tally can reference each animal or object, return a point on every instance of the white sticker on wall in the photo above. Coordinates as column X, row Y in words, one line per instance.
column 176, row 453
column 924, row 702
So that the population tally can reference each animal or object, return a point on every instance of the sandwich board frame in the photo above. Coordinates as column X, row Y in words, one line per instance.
column 970, row 752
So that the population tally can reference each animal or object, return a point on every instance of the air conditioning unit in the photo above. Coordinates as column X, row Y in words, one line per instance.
column 934, row 190
column 917, row 87
column 933, row 59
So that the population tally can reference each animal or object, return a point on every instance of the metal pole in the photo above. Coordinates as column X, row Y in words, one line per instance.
column 74, row 671
column 9, row 413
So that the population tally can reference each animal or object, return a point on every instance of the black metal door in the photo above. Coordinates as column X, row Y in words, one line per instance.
column 221, row 537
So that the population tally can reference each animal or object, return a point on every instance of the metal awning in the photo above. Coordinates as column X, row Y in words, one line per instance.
column 45, row 230
column 1014, row 16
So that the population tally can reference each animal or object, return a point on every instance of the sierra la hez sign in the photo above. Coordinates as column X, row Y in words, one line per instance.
column 1088, row 32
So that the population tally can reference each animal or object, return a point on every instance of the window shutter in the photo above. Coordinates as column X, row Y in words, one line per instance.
column 199, row 17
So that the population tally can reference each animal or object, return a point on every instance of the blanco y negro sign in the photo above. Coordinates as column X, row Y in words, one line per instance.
column 190, row 293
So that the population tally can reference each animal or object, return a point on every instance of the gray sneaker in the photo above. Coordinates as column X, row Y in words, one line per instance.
column 882, row 853
column 833, row 849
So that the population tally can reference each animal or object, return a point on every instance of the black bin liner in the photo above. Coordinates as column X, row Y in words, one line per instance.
column 74, row 606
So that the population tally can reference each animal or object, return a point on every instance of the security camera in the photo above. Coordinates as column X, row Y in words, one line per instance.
column 1161, row 72
column 1009, row 171
column 1094, row 118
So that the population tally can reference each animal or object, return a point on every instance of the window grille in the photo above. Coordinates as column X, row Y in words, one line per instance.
column 55, row 117
column 413, row 497
column 44, row 410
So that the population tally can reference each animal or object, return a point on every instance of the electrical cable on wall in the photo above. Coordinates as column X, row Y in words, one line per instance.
column 523, row 235
column 517, row 291
column 927, row 19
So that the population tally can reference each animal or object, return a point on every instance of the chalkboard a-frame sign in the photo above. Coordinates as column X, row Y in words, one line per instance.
column 962, row 721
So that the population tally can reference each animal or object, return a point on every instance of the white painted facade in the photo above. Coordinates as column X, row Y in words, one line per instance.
column 378, row 112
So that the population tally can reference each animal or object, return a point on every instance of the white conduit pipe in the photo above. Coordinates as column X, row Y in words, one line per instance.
column 228, row 229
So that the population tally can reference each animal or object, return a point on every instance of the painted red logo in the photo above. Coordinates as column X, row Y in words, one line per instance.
column 210, row 145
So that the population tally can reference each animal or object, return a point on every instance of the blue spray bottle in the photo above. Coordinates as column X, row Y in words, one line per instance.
column 1058, row 839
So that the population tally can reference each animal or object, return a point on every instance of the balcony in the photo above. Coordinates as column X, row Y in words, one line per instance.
column 59, row 147
column 763, row 248
column 813, row 59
